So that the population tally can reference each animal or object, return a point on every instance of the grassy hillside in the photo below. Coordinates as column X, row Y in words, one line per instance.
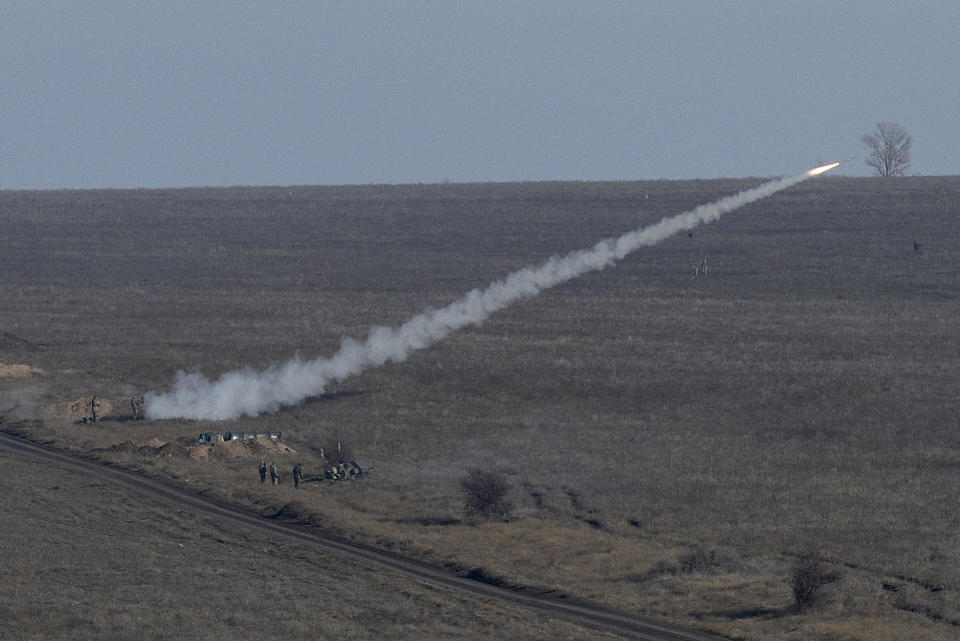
column 673, row 441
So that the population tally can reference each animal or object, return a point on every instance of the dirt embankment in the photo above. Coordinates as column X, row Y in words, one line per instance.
column 80, row 408
column 248, row 448
column 16, row 370
column 226, row 451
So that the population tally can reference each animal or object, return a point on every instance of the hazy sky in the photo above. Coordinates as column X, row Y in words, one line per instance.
column 161, row 94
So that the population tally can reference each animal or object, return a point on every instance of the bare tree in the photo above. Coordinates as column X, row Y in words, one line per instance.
column 888, row 148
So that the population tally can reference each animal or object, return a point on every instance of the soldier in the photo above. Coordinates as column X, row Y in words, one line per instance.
column 297, row 475
column 263, row 472
column 136, row 404
column 94, row 408
column 274, row 474
column 702, row 267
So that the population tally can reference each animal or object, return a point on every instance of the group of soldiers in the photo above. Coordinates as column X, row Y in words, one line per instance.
column 348, row 469
column 275, row 473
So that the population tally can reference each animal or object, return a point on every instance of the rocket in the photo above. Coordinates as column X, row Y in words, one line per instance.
column 824, row 168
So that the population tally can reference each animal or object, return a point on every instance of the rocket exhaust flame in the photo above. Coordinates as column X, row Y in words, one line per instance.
column 819, row 170
column 248, row 392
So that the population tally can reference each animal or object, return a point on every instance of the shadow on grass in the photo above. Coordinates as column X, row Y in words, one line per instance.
column 479, row 574
column 294, row 514
column 749, row 613
column 430, row 521
column 114, row 418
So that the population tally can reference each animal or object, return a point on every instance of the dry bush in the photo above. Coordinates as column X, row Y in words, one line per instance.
column 707, row 561
column 485, row 495
column 809, row 575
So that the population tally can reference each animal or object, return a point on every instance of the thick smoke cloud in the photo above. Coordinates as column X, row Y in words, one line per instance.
column 251, row 392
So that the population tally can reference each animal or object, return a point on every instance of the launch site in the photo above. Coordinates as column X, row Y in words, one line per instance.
column 676, row 433
column 541, row 320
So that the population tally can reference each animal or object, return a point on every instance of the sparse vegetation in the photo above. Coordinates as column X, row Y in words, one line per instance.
column 708, row 560
column 485, row 495
column 806, row 391
column 810, row 574
column 170, row 574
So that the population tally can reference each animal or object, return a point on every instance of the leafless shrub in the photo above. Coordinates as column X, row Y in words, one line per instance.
column 809, row 575
column 706, row 560
column 485, row 495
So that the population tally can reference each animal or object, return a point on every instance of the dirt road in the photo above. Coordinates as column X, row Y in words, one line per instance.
column 543, row 603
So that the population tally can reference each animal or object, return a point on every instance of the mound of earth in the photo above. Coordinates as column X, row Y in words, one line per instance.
column 125, row 446
column 157, row 447
column 79, row 408
column 19, row 371
column 170, row 450
column 247, row 448
column 154, row 447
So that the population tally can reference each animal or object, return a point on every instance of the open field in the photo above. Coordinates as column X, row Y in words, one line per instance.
column 672, row 441
column 85, row 559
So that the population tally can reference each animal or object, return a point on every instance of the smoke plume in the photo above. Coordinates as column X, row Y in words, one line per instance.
column 251, row 392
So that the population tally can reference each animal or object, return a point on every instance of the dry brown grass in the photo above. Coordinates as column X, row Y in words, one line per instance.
column 167, row 574
column 802, row 395
column 18, row 370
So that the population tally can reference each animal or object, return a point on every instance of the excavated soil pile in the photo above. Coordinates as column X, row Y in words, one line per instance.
column 79, row 408
column 19, row 371
column 168, row 449
column 157, row 447
column 229, row 450
column 153, row 447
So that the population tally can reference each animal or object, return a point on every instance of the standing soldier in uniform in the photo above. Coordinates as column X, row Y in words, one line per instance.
column 136, row 404
column 274, row 474
column 94, row 408
column 263, row 472
column 297, row 475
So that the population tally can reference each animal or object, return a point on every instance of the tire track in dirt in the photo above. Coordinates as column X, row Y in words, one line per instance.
column 582, row 613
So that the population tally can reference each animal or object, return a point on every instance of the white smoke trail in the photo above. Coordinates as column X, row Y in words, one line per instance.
column 248, row 392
